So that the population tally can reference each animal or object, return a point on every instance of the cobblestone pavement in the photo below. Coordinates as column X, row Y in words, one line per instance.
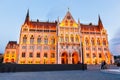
column 93, row 73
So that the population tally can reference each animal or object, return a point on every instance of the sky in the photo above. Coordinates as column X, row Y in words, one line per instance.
column 13, row 12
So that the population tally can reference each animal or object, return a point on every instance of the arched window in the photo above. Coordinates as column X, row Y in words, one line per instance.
column 24, row 39
column 104, row 42
column 98, row 41
column 71, row 23
column 45, row 40
column 39, row 40
column 66, row 38
column 87, row 41
column 62, row 38
column 72, row 38
column 76, row 38
column 66, row 23
column 53, row 40
column 31, row 39
column 93, row 41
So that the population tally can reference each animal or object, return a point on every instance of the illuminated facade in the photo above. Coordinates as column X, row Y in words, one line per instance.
column 62, row 42
column 11, row 52
column 37, row 43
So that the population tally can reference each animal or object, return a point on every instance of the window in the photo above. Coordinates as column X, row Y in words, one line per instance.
column 31, row 39
column 45, row 55
column 93, row 49
column 66, row 38
column 77, row 39
column 23, row 54
column 52, row 48
column 39, row 47
column 100, row 56
column 88, row 55
column 61, row 38
column 32, row 47
column 71, row 23
column 87, row 41
column 45, row 40
column 52, row 55
column 39, row 40
column 38, row 55
column 93, row 41
column 94, row 56
column 104, row 42
column 53, row 40
column 24, row 39
column 66, row 23
column 72, row 38
column 30, row 54
column 98, row 42
column 62, row 46
column 105, row 49
column 46, row 48
column 67, row 46
column 25, row 29
column 23, row 47
column 99, row 49
column 13, row 53
column 87, row 48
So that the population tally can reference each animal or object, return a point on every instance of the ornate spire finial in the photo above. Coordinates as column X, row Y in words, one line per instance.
column 68, row 8
column 100, row 22
column 27, row 17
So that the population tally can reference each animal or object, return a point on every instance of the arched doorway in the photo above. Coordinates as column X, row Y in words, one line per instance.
column 64, row 58
column 75, row 58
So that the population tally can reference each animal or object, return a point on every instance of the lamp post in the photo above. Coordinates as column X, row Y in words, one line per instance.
column 82, row 56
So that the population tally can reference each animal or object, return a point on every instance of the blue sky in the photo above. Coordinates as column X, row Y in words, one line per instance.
column 13, row 12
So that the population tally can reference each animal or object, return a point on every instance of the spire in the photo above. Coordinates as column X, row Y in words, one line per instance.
column 100, row 22
column 78, row 21
column 27, row 17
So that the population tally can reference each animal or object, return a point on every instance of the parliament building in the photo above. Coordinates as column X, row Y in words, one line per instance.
column 60, row 42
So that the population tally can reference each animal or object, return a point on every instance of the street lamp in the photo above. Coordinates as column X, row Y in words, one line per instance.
column 83, row 67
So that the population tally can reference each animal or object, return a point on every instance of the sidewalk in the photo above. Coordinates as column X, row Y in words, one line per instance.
column 93, row 73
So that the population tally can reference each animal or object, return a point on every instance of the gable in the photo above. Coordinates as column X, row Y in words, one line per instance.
column 68, row 21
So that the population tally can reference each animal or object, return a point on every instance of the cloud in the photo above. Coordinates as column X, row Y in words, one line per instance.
column 115, row 44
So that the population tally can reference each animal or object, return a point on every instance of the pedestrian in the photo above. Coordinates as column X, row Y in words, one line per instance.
column 102, row 64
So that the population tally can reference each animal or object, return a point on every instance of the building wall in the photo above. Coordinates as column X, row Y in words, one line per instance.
column 47, row 51
column 11, row 54
column 72, row 41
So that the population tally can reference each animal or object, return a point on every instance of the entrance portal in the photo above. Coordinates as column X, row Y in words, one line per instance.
column 64, row 58
column 75, row 58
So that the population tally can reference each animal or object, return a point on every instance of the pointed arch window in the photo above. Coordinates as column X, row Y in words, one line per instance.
column 39, row 40
column 66, row 38
column 72, row 38
column 24, row 39
column 98, row 41
column 62, row 38
column 104, row 42
column 93, row 41
column 71, row 23
column 52, row 40
column 45, row 40
column 31, row 39
column 76, row 38
column 87, row 41
column 66, row 23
